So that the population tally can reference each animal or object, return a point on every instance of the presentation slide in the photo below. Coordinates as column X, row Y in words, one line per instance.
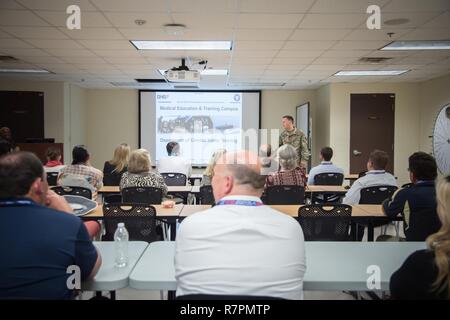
column 201, row 122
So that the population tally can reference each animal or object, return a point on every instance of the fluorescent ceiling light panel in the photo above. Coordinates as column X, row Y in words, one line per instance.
column 206, row 72
column 418, row 45
column 24, row 71
column 181, row 45
column 371, row 73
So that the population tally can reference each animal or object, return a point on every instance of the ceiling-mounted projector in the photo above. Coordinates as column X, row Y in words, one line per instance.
column 182, row 74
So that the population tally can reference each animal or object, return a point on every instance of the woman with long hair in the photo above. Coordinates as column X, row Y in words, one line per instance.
column 113, row 169
column 209, row 171
column 426, row 273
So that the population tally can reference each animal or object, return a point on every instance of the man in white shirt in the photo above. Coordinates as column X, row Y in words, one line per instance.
column 240, row 246
column 325, row 166
column 174, row 163
column 375, row 176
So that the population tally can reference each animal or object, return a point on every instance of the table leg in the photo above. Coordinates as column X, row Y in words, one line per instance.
column 171, row 295
column 113, row 295
column 173, row 230
column 370, row 231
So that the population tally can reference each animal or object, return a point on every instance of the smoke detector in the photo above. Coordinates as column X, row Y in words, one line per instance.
column 175, row 29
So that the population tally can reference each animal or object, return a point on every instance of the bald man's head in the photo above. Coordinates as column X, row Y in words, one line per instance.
column 238, row 173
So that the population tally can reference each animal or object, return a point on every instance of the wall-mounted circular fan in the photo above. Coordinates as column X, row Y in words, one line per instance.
column 441, row 140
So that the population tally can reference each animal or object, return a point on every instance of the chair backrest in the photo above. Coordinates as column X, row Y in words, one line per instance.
column 74, row 191
column 329, row 179
column 206, row 195
column 224, row 297
column 113, row 198
column 325, row 222
column 52, row 177
column 174, row 179
column 139, row 219
column 147, row 195
column 376, row 194
column 110, row 179
column 285, row 195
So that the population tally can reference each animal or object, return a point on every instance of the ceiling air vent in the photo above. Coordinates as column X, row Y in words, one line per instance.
column 8, row 59
column 374, row 59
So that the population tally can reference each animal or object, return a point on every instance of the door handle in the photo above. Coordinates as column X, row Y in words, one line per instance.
column 357, row 153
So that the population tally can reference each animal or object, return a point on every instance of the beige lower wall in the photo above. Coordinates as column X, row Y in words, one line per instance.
column 112, row 118
column 407, row 121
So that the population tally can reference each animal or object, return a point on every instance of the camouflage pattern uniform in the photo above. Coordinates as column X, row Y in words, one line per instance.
column 297, row 139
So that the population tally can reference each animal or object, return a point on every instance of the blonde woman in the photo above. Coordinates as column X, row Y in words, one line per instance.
column 209, row 171
column 425, row 274
column 113, row 169
column 139, row 173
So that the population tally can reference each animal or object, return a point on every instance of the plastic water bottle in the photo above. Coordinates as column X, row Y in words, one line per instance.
column 121, row 244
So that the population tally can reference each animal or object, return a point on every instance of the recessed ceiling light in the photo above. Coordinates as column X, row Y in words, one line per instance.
column 206, row 72
column 370, row 73
column 181, row 45
column 140, row 22
column 24, row 71
column 396, row 22
column 418, row 45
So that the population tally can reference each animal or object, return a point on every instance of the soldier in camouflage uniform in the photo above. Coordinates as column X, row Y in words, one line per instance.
column 296, row 138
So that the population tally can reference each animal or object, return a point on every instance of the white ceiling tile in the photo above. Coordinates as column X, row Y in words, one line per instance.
column 70, row 52
column 287, row 66
column 59, row 5
column 292, row 61
column 258, row 45
column 359, row 45
column 106, row 44
column 269, row 21
column 199, row 20
column 254, row 53
column 20, row 18
column 315, row 73
column 132, row 5
column 441, row 21
column 345, row 53
column 373, row 35
column 428, row 34
column 318, row 67
column 126, row 19
column 40, row 60
column 93, row 33
column 335, row 61
column 322, row 34
column 35, row 32
column 332, row 21
column 301, row 53
column 25, row 52
column 262, row 34
column 125, row 60
column 204, row 6
column 308, row 45
column 10, row 4
column 269, row 6
column 83, row 60
column 190, row 34
column 4, row 35
column 116, row 53
column 417, row 60
column 251, row 60
column 14, row 44
column 417, row 6
column 54, row 44
column 344, row 6
column 88, row 19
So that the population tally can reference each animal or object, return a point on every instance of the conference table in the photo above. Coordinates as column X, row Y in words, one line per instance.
column 170, row 189
column 330, row 266
column 110, row 278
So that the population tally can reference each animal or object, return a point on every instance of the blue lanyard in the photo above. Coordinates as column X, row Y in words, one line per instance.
column 248, row 203
column 16, row 203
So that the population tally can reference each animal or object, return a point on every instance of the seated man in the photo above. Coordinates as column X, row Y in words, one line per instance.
column 240, row 246
column 80, row 173
column 39, row 237
column 416, row 203
column 325, row 166
column 375, row 176
column 174, row 163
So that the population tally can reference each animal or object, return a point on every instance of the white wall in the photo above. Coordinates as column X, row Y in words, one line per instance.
column 75, row 113
column 407, row 121
column 322, row 120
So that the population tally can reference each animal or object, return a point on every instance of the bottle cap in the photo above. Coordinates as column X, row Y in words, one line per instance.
column 121, row 224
